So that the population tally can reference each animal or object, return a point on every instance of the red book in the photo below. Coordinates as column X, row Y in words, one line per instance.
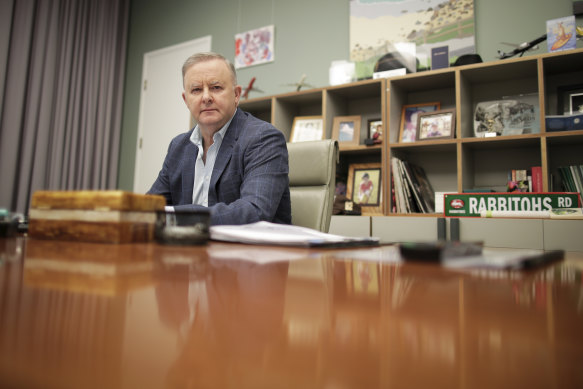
column 537, row 179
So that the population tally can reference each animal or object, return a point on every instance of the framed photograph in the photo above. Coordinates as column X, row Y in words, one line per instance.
column 306, row 128
column 346, row 129
column 375, row 129
column 569, row 99
column 409, row 113
column 364, row 187
column 576, row 103
column 436, row 125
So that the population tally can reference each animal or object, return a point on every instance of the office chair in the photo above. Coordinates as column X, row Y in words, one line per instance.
column 312, row 181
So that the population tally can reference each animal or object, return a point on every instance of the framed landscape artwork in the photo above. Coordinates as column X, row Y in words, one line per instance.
column 346, row 129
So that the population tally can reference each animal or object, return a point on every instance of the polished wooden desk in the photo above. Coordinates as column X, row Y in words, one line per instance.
column 79, row 315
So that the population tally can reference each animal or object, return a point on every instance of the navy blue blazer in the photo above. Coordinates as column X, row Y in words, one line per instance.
column 249, row 182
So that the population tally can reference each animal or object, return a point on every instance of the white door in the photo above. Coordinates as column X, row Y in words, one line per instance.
column 163, row 113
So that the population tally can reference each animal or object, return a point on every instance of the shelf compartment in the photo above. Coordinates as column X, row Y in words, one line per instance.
column 485, row 163
column 303, row 103
column 563, row 75
column 359, row 156
column 365, row 99
column 418, row 88
column 564, row 62
column 356, row 156
column 258, row 107
column 563, row 151
column 494, row 82
column 438, row 160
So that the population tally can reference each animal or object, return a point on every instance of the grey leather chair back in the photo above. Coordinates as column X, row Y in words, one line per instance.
column 312, row 181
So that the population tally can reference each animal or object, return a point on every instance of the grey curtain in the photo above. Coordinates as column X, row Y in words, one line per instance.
column 61, row 83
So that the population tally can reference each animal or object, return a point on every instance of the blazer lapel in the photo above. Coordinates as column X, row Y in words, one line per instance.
column 226, row 150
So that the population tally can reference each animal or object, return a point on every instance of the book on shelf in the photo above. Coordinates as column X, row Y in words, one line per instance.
column 537, row 178
column 572, row 178
column 393, row 195
column 413, row 191
column 400, row 196
column 400, row 187
column 577, row 178
column 400, row 191
column 410, row 206
column 413, row 187
column 425, row 188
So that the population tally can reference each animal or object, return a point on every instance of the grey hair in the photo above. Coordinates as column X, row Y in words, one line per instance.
column 208, row 56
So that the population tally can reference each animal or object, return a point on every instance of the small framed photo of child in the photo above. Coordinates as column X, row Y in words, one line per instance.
column 364, row 187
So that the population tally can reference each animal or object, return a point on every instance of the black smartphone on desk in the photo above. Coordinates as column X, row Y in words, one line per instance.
column 438, row 251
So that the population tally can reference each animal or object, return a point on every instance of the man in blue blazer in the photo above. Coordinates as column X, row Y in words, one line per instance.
column 231, row 163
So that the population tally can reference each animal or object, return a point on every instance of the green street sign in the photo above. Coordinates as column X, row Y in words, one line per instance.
column 472, row 204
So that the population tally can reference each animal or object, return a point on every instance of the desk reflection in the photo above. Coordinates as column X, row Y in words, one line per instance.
column 200, row 318
column 54, row 330
column 228, row 318
column 91, row 268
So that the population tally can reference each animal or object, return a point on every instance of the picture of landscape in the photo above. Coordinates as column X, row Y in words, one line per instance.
column 408, row 30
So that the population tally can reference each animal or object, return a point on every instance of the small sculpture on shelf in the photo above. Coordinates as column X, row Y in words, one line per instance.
column 514, row 115
column 301, row 83
column 250, row 88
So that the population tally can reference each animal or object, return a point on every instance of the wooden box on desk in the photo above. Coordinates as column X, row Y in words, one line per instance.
column 94, row 216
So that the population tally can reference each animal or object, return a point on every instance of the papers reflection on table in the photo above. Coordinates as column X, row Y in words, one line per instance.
column 489, row 258
column 258, row 255
column 286, row 235
column 510, row 259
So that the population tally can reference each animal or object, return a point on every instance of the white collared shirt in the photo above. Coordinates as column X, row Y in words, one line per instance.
column 202, row 170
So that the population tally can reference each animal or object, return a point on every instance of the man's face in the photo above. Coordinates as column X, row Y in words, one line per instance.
column 210, row 95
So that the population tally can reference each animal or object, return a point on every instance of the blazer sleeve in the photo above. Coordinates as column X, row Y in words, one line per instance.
column 170, row 182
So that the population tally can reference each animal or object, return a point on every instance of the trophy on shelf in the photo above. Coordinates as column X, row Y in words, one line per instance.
column 514, row 115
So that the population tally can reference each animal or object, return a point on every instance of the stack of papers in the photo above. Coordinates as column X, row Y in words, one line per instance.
column 285, row 235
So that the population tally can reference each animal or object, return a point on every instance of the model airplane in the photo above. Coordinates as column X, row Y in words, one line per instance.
column 522, row 48
column 250, row 88
column 301, row 83
column 533, row 45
